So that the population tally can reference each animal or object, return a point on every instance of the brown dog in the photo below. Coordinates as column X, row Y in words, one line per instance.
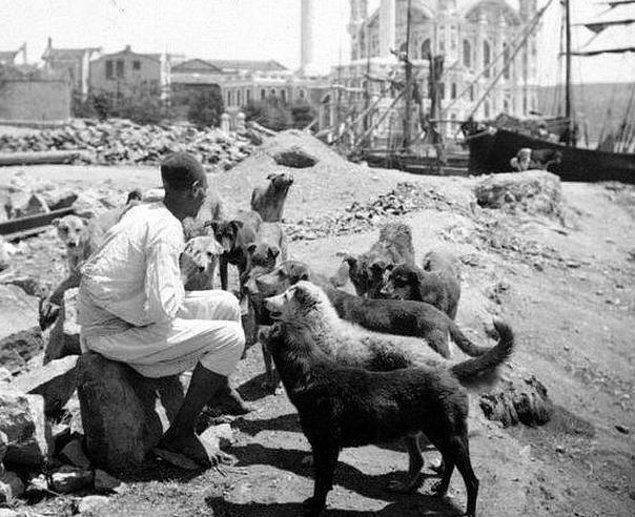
column 393, row 247
column 198, row 263
column 269, row 202
column 438, row 283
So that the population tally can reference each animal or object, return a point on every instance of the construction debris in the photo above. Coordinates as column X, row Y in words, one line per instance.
column 119, row 142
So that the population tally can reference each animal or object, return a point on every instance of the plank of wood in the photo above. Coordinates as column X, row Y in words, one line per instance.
column 32, row 222
column 38, row 157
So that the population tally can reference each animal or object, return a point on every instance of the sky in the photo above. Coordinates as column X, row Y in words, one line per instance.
column 243, row 29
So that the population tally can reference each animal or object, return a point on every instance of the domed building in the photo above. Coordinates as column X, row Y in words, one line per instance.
column 477, row 40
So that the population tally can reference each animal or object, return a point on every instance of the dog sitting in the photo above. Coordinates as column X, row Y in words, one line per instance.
column 198, row 263
column 235, row 236
column 343, row 405
column 437, row 283
column 269, row 202
column 401, row 317
column 393, row 247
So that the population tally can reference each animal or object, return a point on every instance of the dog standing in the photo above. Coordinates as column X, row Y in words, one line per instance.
column 393, row 247
column 269, row 202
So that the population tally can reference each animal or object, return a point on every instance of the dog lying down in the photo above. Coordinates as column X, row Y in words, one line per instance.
column 330, row 370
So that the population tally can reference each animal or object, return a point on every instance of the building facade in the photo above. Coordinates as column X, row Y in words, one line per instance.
column 476, row 38
column 73, row 63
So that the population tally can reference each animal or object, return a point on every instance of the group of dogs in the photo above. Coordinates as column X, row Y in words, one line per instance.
column 354, row 365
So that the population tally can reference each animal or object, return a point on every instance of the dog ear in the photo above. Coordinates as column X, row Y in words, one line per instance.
column 274, row 252
column 251, row 248
column 272, row 175
column 350, row 260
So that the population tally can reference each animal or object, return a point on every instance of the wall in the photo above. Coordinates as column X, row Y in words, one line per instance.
column 35, row 100
column 148, row 77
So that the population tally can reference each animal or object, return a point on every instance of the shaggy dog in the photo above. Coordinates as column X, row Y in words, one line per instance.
column 269, row 202
column 322, row 361
column 236, row 236
column 438, row 283
column 198, row 263
column 269, row 247
column 406, row 318
column 393, row 247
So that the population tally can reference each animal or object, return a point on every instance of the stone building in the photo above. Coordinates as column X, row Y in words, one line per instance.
column 471, row 35
column 74, row 63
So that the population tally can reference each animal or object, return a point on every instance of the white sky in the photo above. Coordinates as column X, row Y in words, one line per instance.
column 240, row 29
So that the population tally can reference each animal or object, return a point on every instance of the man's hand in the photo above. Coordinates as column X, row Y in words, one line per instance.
column 48, row 313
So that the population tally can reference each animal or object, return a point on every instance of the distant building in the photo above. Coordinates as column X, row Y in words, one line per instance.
column 74, row 63
column 194, row 75
column 9, row 57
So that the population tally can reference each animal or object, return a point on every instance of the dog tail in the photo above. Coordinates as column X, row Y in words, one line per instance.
column 483, row 369
column 464, row 343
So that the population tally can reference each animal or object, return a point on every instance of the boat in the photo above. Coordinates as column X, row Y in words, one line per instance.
column 493, row 145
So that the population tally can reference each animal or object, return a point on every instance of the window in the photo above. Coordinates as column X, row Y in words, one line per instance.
column 505, row 105
column 263, row 94
column 109, row 70
column 425, row 49
column 283, row 95
column 272, row 92
column 441, row 46
column 472, row 92
column 136, row 65
column 506, row 61
column 441, row 90
column 239, row 98
column 453, row 91
column 467, row 53
column 229, row 98
column 247, row 96
column 119, row 69
column 486, row 58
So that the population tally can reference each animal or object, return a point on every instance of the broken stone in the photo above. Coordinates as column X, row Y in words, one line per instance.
column 90, row 503
column 55, row 381
column 29, row 439
column 58, row 198
column 74, row 454
column 622, row 429
column 294, row 157
column 5, row 512
column 11, row 486
column 69, row 479
column 105, row 483
column 21, row 204
column 28, row 284
column 18, row 310
column 117, row 406
column 5, row 375
column 64, row 337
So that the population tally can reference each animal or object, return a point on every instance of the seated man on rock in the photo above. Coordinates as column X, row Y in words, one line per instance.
column 133, row 309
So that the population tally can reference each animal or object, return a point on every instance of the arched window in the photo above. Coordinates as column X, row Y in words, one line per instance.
column 425, row 49
column 239, row 98
column 453, row 91
column 486, row 58
column 283, row 95
column 272, row 92
column 467, row 53
column 441, row 90
column 505, row 105
column 506, row 60
column 472, row 92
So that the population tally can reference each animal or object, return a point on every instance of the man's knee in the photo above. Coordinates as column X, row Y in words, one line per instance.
column 227, row 306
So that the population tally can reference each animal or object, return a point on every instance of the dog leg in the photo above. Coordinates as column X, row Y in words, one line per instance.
column 439, row 342
column 223, row 271
column 271, row 377
column 324, row 461
column 464, row 465
column 414, row 468
column 448, row 451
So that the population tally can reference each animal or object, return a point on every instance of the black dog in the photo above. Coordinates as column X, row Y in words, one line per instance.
column 351, row 407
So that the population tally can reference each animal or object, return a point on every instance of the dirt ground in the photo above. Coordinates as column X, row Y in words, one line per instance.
column 571, row 309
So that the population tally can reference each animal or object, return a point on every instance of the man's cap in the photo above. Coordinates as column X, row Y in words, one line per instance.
column 181, row 170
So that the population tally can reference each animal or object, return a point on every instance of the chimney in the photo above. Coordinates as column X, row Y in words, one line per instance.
column 307, row 49
column 387, row 23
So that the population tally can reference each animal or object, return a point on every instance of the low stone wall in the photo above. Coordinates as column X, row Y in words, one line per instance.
column 35, row 100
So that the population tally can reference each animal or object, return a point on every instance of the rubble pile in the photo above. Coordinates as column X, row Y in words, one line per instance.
column 119, row 142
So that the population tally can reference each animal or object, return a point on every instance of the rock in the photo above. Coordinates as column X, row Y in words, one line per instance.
column 29, row 438
column 69, row 479
column 5, row 255
column 30, row 285
column 18, row 311
column 519, row 398
column 118, row 413
column 74, row 454
column 5, row 512
column 294, row 157
column 90, row 503
column 22, row 204
column 55, row 381
column 532, row 191
column 105, row 483
column 218, row 436
column 11, row 486
column 58, row 198
column 4, row 444
column 64, row 337
column 5, row 375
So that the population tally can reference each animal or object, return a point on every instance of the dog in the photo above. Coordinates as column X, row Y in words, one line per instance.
column 80, row 237
column 198, row 263
column 393, row 247
column 398, row 317
column 343, row 405
column 437, row 283
column 235, row 236
column 269, row 202
column 527, row 158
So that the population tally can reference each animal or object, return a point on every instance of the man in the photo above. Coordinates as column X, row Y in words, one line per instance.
column 133, row 308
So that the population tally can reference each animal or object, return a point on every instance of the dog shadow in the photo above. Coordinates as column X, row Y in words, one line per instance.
column 347, row 476
column 422, row 505
column 253, row 390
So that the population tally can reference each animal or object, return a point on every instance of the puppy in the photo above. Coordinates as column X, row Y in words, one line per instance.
column 437, row 283
column 269, row 202
column 401, row 317
column 393, row 247
column 235, row 237
column 343, row 405
column 198, row 263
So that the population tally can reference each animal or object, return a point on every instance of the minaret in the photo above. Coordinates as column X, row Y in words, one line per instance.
column 307, row 49
column 387, row 27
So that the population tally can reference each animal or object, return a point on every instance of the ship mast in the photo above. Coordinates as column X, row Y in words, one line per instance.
column 567, row 101
column 408, row 86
